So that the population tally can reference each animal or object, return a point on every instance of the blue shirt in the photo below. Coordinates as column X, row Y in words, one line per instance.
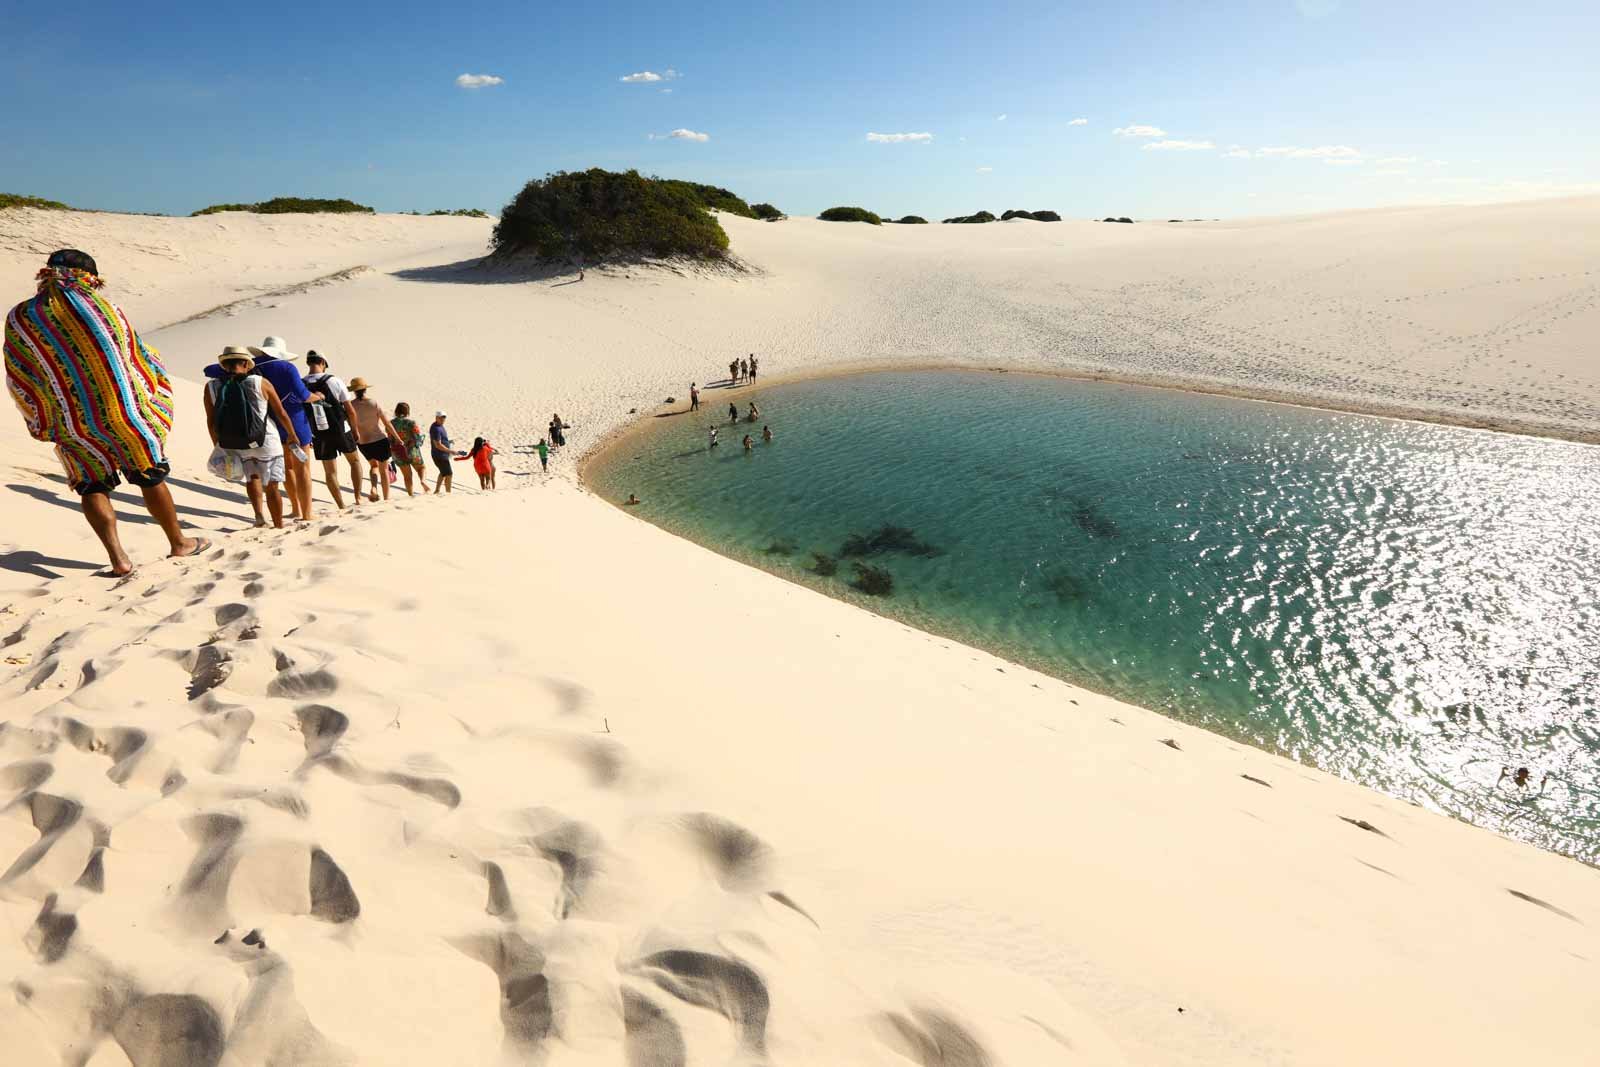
column 439, row 439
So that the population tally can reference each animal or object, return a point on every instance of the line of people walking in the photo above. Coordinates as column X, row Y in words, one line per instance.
column 86, row 383
column 319, row 416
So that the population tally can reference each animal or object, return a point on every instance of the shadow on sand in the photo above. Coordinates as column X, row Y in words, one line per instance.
column 488, row 271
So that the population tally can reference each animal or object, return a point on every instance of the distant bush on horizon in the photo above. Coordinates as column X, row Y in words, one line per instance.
column 1036, row 216
column 850, row 214
column 464, row 212
column 291, row 205
column 1122, row 219
column 909, row 220
column 767, row 213
column 982, row 216
column 599, row 214
column 18, row 200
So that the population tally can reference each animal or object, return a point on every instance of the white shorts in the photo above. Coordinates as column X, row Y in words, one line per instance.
column 268, row 470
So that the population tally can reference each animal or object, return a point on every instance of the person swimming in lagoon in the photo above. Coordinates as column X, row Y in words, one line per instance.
column 632, row 501
column 755, row 413
column 766, row 435
column 748, row 444
column 713, row 442
column 1520, row 778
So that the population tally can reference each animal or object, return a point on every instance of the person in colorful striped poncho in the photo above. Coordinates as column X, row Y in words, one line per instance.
column 87, row 384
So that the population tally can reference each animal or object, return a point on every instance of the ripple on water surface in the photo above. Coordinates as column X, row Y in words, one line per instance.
column 1407, row 605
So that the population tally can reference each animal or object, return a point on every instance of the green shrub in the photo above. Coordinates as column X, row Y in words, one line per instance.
column 911, row 220
column 600, row 214
column 767, row 213
column 1036, row 216
column 850, row 214
column 712, row 197
column 18, row 200
column 462, row 212
column 982, row 216
column 292, row 205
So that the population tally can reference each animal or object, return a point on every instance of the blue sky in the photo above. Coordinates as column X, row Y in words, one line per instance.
column 1265, row 106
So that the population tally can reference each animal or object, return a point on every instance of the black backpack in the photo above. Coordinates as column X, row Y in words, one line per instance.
column 330, row 407
column 239, row 424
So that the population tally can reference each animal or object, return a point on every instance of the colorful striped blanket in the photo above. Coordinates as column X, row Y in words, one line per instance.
column 84, row 380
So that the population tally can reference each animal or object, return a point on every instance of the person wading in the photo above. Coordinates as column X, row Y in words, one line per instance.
column 87, row 384
column 331, row 419
column 375, row 436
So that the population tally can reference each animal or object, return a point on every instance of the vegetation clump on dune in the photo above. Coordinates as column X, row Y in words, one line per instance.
column 292, row 205
column 767, row 213
column 464, row 212
column 1122, row 219
column 982, row 216
column 18, row 200
column 910, row 220
column 600, row 214
column 1036, row 216
column 850, row 214
column 712, row 197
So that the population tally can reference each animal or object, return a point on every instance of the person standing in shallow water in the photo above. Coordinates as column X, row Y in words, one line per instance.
column 733, row 412
column 87, row 384
column 748, row 444
column 766, row 435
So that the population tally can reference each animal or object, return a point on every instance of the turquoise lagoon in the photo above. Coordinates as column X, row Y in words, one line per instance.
column 1406, row 605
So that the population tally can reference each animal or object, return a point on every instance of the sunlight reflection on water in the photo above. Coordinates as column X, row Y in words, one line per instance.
column 1406, row 605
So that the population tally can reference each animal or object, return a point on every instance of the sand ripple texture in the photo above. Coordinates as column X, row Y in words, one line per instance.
column 264, row 809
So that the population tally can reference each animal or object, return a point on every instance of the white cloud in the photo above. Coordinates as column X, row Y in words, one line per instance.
column 1321, row 151
column 900, row 138
column 689, row 135
column 1179, row 146
column 1344, row 162
column 1236, row 151
column 1000, row 118
column 1396, row 161
column 1078, row 122
column 479, row 81
column 646, row 76
column 1139, row 131
column 985, row 170
column 1387, row 172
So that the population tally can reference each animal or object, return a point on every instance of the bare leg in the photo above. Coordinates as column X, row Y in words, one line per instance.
column 422, row 475
column 295, row 474
column 407, row 473
column 380, row 475
column 258, row 499
column 354, row 459
column 275, row 505
column 330, row 478
column 158, row 502
column 102, row 516
column 303, row 492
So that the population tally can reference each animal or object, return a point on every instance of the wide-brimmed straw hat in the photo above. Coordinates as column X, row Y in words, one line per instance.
column 273, row 348
column 358, row 384
column 232, row 353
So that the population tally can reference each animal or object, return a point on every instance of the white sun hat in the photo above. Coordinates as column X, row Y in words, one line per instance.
column 275, row 347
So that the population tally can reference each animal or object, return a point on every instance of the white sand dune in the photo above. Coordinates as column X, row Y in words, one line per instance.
column 476, row 779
